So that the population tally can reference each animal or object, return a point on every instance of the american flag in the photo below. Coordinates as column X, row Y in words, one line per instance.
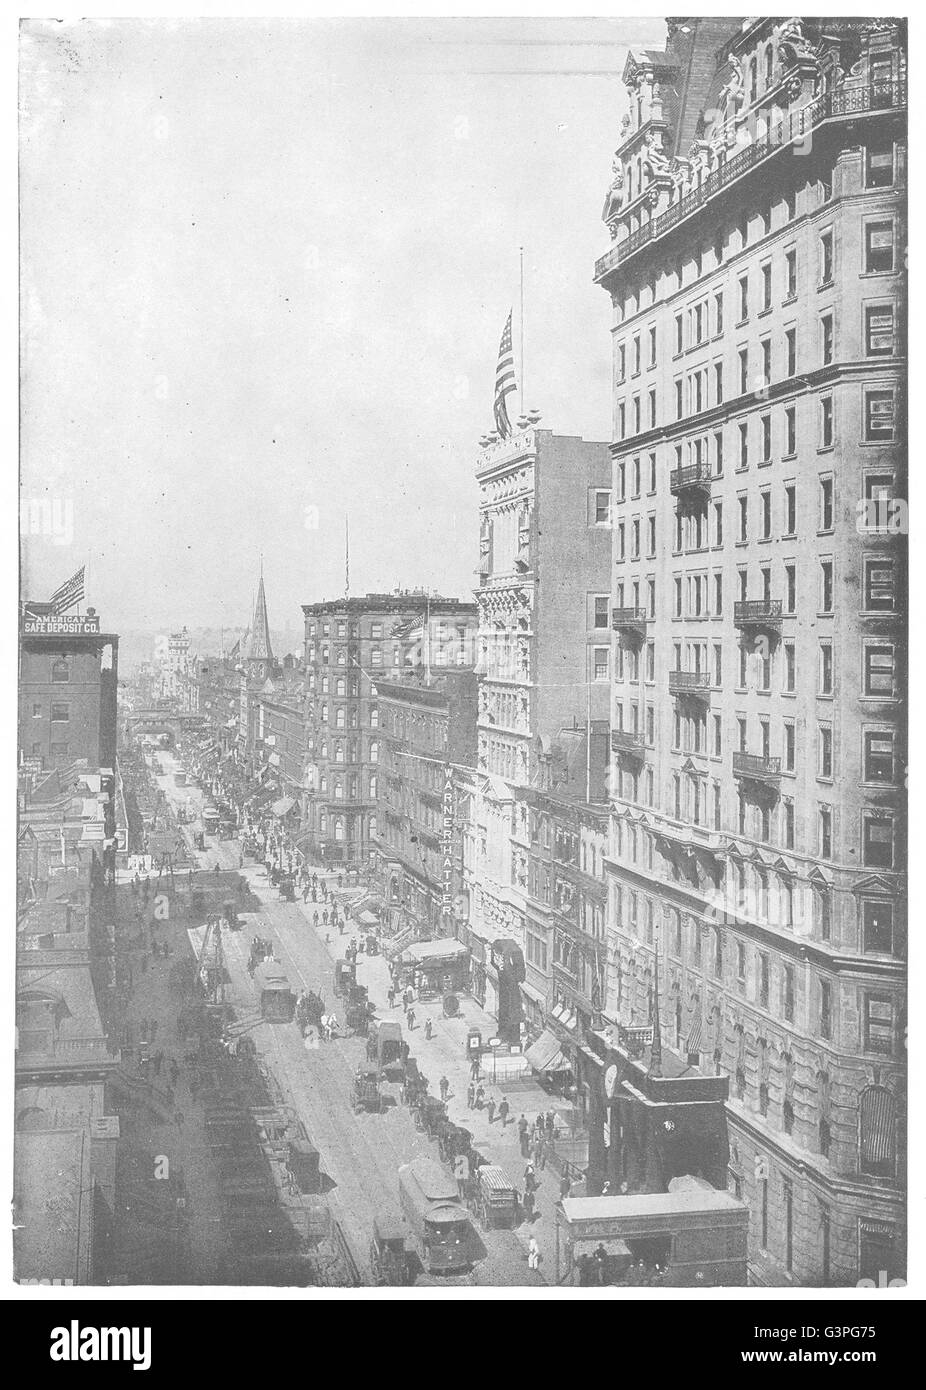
column 504, row 381
column 69, row 593
column 408, row 628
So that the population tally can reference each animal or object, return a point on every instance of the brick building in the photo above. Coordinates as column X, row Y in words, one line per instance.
column 427, row 729
column 350, row 644
column 757, row 841
column 68, row 678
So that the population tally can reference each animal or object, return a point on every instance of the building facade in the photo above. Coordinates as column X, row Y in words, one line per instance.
column 350, row 645
column 427, row 732
column 757, row 844
column 68, row 679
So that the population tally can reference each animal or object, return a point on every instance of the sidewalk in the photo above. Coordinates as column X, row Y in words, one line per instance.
column 445, row 1055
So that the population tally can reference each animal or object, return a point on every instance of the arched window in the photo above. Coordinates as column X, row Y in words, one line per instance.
column 323, row 782
column 323, row 819
column 338, row 789
column 339, row 688
column 372, row 825
column 374, row 716
column 787, row 1117
column 339, row 828
column 753, row 79
column 374, row 751
column 323, row 748
column 339, row 717
column 373, row 786
column 342, row 656
column 877, row 1132
column 60, row 671
column 769, row 64
column 324, row 685
column 324, row 712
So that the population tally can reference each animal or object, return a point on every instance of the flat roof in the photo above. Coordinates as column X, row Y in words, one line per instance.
column 685, row 1201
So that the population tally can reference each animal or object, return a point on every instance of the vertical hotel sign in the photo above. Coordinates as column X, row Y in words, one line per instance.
column 447, row 844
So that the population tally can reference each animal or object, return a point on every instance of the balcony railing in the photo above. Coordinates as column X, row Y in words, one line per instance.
column 692, row 476
column 757, row 612
column 628, row 619
column 796, row 125
column 689, row 683
column 623, row 741
column 756, row 766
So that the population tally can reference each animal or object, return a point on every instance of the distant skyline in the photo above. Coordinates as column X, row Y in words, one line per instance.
column 265, row 268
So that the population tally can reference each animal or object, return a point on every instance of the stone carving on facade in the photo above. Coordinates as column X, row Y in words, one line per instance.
column 615, row 196
column 733, row 92
column 793, row 45
column 655, row 161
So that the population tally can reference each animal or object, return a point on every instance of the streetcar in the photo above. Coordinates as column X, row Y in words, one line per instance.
column 438, row 1221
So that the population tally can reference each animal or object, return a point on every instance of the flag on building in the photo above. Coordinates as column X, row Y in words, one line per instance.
column 69, row 593
column 408, row 629
column 504, row 382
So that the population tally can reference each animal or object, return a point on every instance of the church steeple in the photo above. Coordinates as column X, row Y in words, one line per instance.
column 260, row 651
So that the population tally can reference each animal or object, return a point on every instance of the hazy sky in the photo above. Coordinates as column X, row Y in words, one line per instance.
column 266, row 265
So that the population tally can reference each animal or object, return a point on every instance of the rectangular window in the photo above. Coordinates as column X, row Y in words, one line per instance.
column 767, row 285
column 60, row 714
column 826, row 504
column 601, row 617
column 826, row 1010
column 879, row 671
column 789, row 667
column 790, row 509
column 744, row 370
column 826, row 586
column 879, row 166
column 789, row 745
column 877, row 841
column 602, row 663
column 879, row 247
column 826, row 832
column 744, row 445
column 718, row 383
column 878, row 928
column 826, row 750
column 879, row 416
column 879, row 584
column 718, row 313
column 743, row 503
column 602, row 508
column 791, row 274
column 679, row 400
column 879, row 755
column 826, row 258
column 791, row 588
column 879, row 330
column 826, row 668
column 787, row 994
column 826, row 339
column 826, row 422
column 744, row 298
column 652, row 347
column 766, row 514
column 766, row 424
column 879, row 1024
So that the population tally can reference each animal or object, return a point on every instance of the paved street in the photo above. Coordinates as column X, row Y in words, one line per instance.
column 361, row 1153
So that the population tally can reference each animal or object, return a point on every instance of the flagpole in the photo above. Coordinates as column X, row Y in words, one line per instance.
column 523, row 392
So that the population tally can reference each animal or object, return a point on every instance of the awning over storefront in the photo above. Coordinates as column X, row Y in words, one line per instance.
column 284, row 805
column 545, row 1054
column 533, row 994
column 446, row 949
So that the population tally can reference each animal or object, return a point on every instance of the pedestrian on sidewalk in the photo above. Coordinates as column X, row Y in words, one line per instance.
column 533, row 1253
column 474, row 1069
column 305, row 894
column 540, row 1152
column 325, row 917
column 480, row 1097
column 503, row 1110
column 550, row 1126
column 471, row 1096
column 444, row 1085
column 428, row 1027
column 522, row 1136
column 528, row 1205
column 314, row 919
column 490, row 1107
column 391, row 996
column 564, row 1187
column 530, row 1179
column 410, row 1019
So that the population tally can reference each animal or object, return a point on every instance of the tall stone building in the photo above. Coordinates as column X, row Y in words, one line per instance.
column 757, row 843
column 543, row 650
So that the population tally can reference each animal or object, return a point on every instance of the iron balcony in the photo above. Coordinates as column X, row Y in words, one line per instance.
column 758, row 612
column 624, row 741
column 694, row 477
column 757, row 767
column 629, row 620
column 694, row 683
